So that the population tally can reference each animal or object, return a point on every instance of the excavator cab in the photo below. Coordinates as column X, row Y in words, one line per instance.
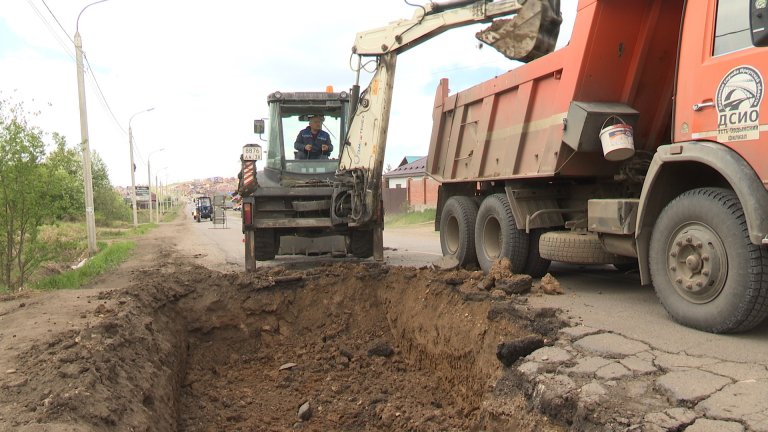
column 289, row 114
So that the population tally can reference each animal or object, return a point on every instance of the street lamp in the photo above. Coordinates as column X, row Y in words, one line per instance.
column 133, row 169
column 90, row 219
column 149, row 184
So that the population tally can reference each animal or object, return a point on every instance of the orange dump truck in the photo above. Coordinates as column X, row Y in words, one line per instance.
column 639, row 144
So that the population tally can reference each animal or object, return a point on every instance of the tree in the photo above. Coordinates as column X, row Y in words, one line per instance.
column 108, row 204
column 21, row 207
column 65, row 186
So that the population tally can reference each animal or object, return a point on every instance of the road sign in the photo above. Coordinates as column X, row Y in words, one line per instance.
column 142, row 193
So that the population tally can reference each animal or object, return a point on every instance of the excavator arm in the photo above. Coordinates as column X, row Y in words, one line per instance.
column 362, row 155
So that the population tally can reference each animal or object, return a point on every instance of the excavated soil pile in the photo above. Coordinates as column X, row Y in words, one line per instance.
column 335, row 347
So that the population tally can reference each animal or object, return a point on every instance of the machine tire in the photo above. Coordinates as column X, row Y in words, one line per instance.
column 705, row 270
column 457, row 229
column 497, row 235
column 264, row 244
column 535, row 265
column 360, row 243
column 576, row 248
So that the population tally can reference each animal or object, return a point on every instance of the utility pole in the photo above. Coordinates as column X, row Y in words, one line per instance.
column 90, row 219
column 149, row 184
column 133, row 170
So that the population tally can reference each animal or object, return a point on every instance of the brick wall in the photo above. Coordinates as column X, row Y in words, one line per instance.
column 422, row 193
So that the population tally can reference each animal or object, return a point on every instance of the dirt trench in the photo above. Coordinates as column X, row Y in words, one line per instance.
column 369, row 347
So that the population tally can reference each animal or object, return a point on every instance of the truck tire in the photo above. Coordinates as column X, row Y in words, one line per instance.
column 360, row 243
column 264, row 244
column 576, row 248
column 497, row 236
column 535, row 265
column 457, row 230
column 705, row 270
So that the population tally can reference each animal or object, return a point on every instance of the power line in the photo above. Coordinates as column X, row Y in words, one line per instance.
column 53, row 32
column 57, row 21
column 102, row 97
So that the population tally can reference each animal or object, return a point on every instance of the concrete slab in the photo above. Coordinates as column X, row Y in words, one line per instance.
column 738, row 371
column 690, row 386
column 578, row 332
column 668, row 361
column 638, row 366
column 610, row 345
column 745, row 401
column 706, row 425
column 550, row 355
column 613, row 371
column 589, row 365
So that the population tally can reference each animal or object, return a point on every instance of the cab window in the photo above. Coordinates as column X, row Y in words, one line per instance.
column 732, row 27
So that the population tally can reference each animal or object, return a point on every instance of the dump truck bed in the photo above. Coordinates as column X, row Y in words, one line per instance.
column 621, row 55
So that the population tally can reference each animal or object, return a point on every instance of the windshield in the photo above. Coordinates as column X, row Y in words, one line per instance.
column 205, row 201
column 284, row 133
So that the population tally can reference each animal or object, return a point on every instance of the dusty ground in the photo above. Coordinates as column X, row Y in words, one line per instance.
column 166, row 344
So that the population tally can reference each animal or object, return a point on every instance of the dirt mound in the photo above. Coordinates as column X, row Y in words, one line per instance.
column 369, row 347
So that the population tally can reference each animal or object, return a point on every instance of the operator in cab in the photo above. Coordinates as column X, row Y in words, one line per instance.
column 313, row 142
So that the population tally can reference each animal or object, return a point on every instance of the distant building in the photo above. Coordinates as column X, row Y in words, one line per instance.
column 417, row 191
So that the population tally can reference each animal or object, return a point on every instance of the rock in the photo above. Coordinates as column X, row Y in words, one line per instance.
column 610, row 345
column 683, row 415
column 706, row 425
column 454, row 280
column 550, row 355
column 305, row 411
column 529, row 369
column 509, row 352
column 498, row 294
column 21, row 382
column 745, row 401
column 663, row 420
column 11, row 371
column 551, row 286
column 515, row 284
column 486, row 283
column 381, row 349
column 690, row 385
column 592, row 390
column 346, row 353
column 446, row 263
column 287, row 366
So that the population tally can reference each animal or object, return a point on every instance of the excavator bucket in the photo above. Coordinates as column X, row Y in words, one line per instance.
column 530, row 34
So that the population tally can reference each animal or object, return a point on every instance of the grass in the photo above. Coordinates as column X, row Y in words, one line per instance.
column 109, row 257
column 410, row 218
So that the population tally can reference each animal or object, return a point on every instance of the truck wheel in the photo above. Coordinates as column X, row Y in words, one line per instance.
column 576, row 248
column 497, row 236
column 250, row 261
column 457, row 229
column 535, row 265
column 360, row 243
column 264, row 244
column 705, row 270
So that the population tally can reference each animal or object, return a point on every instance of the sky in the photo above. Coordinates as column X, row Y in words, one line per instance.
column 207, row 67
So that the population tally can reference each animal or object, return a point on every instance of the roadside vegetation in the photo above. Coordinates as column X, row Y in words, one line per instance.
column 410, row 218
column 42, row 208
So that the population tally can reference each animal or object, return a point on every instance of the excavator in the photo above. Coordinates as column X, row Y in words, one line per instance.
column 292, row 201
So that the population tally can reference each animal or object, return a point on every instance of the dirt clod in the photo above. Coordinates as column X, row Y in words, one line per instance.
column 515, row 284
column 550, row 286
column 381, row 349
